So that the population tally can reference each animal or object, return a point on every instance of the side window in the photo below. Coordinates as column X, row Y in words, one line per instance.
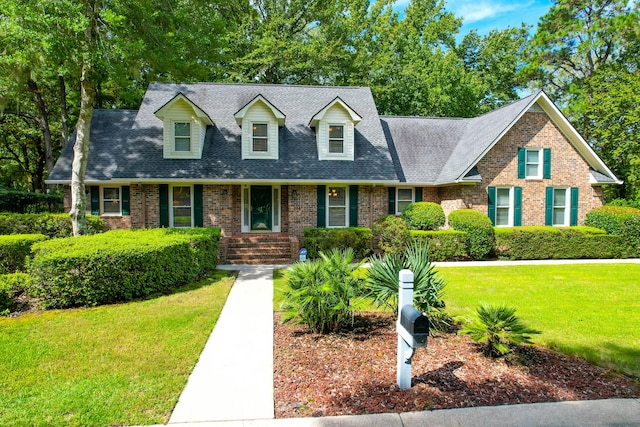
column 181, row 207
column 404, row 198
column 182, row 136
column 337, row 205
column 111, row 202
column 336, row 139
column 260, row 137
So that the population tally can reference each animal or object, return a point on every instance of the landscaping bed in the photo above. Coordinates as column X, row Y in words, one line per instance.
column 354, row 372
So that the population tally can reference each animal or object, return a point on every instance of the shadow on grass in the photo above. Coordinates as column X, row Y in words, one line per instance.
column 211, row 277
column 619, row 358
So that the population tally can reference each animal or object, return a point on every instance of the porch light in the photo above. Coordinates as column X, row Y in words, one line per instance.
column 333, row 192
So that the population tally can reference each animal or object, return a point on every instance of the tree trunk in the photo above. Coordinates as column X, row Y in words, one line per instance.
column 63, row 110
column 43, row 121
column 80, row 152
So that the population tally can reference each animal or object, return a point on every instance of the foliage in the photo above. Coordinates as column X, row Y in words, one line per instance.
column 620, row 221
column 624, row 202
column 424, row 216
column 12, row 285
column 480, row 234
column 428, row 286
column 14, row 249
column 319, row 293
column 318, row 240
column 546, row 242
column 52, row 225
column 391, row 234
column 443, row 244
column 120, row 265
column 24, row 201
column 498, row 328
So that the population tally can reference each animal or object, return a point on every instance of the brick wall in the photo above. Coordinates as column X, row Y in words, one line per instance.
column 302, row 209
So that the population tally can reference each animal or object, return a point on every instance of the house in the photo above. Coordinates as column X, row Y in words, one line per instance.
column 276, row 159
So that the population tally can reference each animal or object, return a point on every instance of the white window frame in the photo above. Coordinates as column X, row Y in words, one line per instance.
column 176, row 137
column 172, row 206
column 510, row 207
column 413, row 197
column 104, row 200
column 540, row 163
column 329, row 198
column 265, row 138
column 329, row 127
column 566, row 207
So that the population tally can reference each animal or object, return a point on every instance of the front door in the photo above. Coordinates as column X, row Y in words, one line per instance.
column 261, row 208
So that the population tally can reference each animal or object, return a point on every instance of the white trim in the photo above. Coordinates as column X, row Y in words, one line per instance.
column 538, row 175
column 567, row 206
column 252, row 137
column 171, row 206
column 279, row 115
column 346, row 206
column 200, row 113
column 102, row 200
column 173, row 137
column 276, row 208
column 355, row 117
column 511, row 207
column 413, row 197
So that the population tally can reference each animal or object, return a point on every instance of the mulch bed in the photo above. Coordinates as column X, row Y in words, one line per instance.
column 354, row 372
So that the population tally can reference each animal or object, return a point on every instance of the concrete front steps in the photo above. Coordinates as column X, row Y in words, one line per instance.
column 265, row 249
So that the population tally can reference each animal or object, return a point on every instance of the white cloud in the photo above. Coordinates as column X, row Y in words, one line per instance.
column 475, row 11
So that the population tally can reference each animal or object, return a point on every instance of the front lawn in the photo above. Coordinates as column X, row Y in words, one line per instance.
column 122, row 364
column 590, row 310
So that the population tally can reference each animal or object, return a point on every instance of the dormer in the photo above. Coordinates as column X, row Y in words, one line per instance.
column 335, row 129
column 184, row 128
column 260, row 121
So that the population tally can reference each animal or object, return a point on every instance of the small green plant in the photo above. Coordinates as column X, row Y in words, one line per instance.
column 392, row 234
column 424, row 216
column 480, row 235
column 498, row 328
column 319, row 293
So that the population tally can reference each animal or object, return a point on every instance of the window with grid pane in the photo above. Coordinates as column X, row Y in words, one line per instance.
column 503, row 206
column 404, row 198
column 181, row 206
column 533, row 164
column 336, row 139
column 337, row 206
column 182, row 136
column 111, row 200
column 260, row 137
column 560, row 209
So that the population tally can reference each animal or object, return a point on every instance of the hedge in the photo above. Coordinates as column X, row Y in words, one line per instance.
column 52, row 225
column 618, row 220
column 444, row 245
column 14, row 249
column 120, row 265
column 557, row 243
column 12, row 285
column 479, row 230
column 317, row 240
column 23, row 201
column 424, row 216
column 391, row 234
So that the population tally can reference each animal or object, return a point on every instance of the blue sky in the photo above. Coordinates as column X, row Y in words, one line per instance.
column 485, row 15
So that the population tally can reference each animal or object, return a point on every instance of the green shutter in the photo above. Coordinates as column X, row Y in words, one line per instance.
column 198, row 218
column 491, row 205
column 392, row 200
column 546, row 165
column 418, row 193
column 517, row 206
column 95, row 199
column 548, row 217
column 126, row 203
column 322, row 206
column 573, row 219
column 522, row 153
column 164, row 204
column 353, row 206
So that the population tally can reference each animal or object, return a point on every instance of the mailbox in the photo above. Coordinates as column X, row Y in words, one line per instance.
column 414, row 326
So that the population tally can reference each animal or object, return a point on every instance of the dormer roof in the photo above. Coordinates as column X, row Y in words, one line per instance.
column 200, row 113
column 355, row 117
column 279, row 115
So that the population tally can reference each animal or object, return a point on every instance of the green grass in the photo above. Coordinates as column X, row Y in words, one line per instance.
column 592, row 311
column 122, row 364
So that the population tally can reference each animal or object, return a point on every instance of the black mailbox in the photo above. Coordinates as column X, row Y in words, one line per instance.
column 415, row 323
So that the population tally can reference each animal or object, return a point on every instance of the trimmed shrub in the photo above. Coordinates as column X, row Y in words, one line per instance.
column 12, row 285
column 443, row 244
column 391, row 234
column 120, row 265
column 27, row 202
column 546, row 242
column 424, row 216
column 317, row 240
column 618, row 220
column 625, row 202
column 14, row 249
column 479, row 231
column 52, row 225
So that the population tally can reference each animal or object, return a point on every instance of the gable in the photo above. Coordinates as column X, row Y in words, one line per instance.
column 260, row 130
column 335, row 131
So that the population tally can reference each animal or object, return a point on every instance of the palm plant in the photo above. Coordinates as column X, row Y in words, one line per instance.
column 498, row 328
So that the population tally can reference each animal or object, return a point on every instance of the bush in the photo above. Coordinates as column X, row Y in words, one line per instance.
column 319, row 293
column 620, row 221
column 12, row 285
column 443, row 244
column 546, row 242
column 391, row 234
column 14, row 249
column 625, row 202
column 480, row 237
column 317, row 240
column 428, row 286
column 497, row 327
column 120, row 265
column 23, row 201
column 424, row 216
column 52, row 225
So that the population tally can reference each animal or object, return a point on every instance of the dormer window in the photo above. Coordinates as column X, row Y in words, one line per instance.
column 336, row 139
column 260, row 121
column 260, row 137
column 182, row 136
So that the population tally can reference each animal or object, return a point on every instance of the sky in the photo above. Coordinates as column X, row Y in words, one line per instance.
column 485, row 15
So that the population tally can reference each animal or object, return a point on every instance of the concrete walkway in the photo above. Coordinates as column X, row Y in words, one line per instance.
column 232, row 383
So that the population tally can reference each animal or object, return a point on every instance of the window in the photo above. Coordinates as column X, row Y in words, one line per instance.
column 260, row 137
column 533, row 164
column 336, row 139
column 111, row 203
column 504, row 204
column 404, row 197
column 337, row 206
column 560, row 215
column 182, row 136
column 181, row 207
